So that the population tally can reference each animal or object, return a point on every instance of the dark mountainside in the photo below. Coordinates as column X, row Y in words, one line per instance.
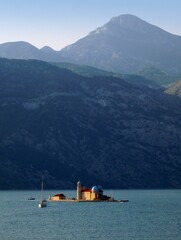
column 126, row 44
column 101, row 130
column 88, row 71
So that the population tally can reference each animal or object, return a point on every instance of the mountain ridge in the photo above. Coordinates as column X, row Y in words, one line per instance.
column 125, row 49
column 98, row 129
column 125, row 44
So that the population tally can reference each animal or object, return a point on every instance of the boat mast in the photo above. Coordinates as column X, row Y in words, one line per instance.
column 42, row 189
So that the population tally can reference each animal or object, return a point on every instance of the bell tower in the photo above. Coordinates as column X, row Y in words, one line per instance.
column 79, row 192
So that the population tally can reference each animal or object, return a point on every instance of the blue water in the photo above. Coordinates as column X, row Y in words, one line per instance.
column 150, row 215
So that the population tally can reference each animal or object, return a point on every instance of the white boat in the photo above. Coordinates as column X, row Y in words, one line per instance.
column 43, row 201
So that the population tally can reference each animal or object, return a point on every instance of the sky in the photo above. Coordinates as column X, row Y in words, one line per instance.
column 58, row 23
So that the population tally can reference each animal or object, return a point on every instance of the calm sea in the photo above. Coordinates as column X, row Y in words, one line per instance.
column 150, row 215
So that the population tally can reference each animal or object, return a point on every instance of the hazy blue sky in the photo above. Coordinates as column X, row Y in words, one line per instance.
column 58, row 23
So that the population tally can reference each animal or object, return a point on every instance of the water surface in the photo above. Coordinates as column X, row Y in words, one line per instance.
column 149, row 215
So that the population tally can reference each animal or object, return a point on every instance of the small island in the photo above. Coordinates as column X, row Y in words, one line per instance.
column 94, row 194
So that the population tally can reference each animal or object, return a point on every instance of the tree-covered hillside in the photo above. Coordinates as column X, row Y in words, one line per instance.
column 96, row 129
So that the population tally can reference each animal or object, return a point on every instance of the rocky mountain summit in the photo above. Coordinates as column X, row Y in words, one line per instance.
column 127, row 44
column 95, row 129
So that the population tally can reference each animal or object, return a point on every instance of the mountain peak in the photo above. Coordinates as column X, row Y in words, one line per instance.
column 18, row 44
column 19, row 50
column 131, row 22
column 125, row 18
column 126, row 44
column 47, row 49
column 125, row 22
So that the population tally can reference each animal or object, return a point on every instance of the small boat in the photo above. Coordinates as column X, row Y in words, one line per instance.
column 31, row 198
column 43, row 201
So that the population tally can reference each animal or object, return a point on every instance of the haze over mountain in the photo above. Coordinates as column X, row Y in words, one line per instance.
column 24, row 50
column 99, row 130
column 126, row 44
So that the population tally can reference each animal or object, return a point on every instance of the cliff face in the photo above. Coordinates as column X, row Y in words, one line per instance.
column 99, row 130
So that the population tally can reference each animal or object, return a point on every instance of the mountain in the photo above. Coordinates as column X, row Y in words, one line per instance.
column 47, row 49
column 127, row 44
column 96, row 129
column 87, row 71
column 160, row 77
column 19, row 50
column 24, row 50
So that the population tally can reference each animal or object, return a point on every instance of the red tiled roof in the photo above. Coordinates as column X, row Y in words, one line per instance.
column 86, row 190
column 59, row 195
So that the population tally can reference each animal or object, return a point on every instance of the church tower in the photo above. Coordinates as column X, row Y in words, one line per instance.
column 79, row 191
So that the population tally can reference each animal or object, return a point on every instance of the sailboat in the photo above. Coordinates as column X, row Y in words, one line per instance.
column 43, row 201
